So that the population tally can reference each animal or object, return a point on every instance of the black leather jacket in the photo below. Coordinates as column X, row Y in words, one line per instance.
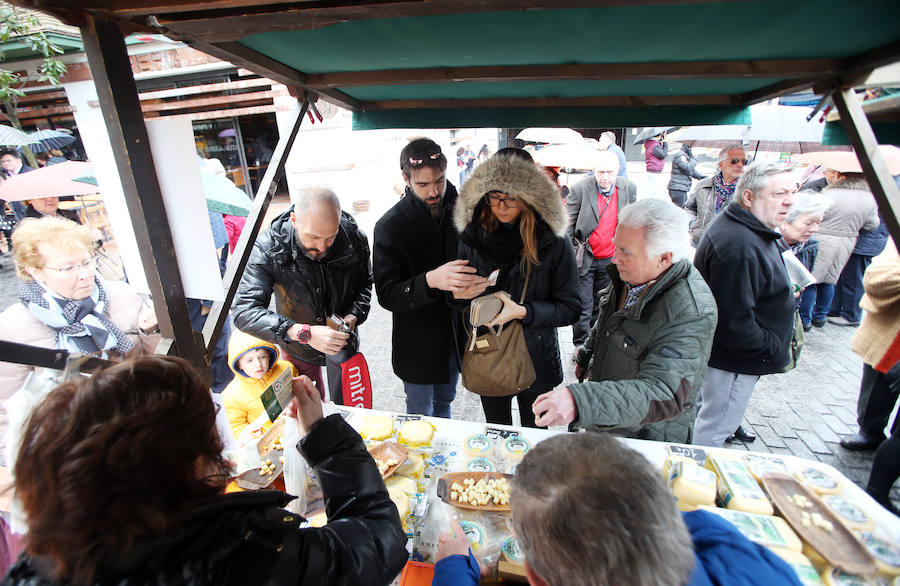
column 243, row 539
column 306, row 291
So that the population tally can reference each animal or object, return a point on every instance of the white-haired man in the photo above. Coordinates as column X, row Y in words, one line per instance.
column 740, row 258
column 713, row 194
column 647, row 353
column 594, row 205
column 316, row 260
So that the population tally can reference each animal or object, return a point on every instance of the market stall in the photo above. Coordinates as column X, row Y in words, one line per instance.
column 807, row 512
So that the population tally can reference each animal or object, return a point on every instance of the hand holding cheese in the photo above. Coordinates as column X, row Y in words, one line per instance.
column 455, row 542
column 555, row 408
column 306, row 406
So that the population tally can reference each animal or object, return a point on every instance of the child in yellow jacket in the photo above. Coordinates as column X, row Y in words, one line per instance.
column 256, row 366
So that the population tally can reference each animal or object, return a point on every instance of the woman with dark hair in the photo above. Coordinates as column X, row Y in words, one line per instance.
column 511, row 218
column 122, row 480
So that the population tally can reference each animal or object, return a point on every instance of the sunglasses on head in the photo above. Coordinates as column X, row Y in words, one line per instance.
column 736, row 160
column 419, row 162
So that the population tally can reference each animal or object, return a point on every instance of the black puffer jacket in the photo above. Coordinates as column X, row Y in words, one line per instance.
column 552, row 299
column 684, row 167
column 306, row 291
column 247, row 538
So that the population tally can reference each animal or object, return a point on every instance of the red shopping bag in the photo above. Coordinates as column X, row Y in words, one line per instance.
column 355, row 383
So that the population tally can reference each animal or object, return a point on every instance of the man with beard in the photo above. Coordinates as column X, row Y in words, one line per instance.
column 415, row 267
column 316, row 260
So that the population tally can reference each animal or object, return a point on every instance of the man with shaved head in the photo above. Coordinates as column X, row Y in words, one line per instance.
column 593, row 205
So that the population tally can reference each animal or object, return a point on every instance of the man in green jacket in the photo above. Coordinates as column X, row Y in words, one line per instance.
column 646, row 355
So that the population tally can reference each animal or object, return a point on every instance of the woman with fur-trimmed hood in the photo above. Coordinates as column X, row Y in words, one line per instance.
column 511, row 218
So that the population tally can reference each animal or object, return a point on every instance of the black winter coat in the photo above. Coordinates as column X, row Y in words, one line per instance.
column 306, row 291
column 553, row 298
column 427, row 331
column 741, row 261
column 247, row 538
column 684, row 167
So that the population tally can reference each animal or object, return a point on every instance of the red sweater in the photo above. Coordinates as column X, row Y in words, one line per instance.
column 601, row 238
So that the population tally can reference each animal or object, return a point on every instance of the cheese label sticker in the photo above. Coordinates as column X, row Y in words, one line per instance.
column 818, row 478
column 759, row 528
column 845, row 509
column 278, row 394
column 886, row 553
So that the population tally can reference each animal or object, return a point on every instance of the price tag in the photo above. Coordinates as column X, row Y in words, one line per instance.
column 496, row 433
column 695, row 454
column 403, row 418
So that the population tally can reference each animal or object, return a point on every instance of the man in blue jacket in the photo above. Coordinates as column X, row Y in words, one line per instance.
column 587, row 510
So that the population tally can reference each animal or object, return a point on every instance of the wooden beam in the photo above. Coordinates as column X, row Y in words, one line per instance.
column 215, row 320
column 790, row 68
column 711, row 100
column 212, row 101
column 45, row 96
column 228, row 113
column 776, row 90
column 866, row 146
column 206, row 88
column 105, row 49
column 30, row 113
column 864, row 62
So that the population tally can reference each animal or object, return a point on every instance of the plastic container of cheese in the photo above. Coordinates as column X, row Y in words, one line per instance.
column 691, row 484
column 765, row 530
column 737, row 489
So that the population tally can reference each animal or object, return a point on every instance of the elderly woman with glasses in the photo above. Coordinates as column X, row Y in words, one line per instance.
column 801, row 222
column 63, row 303
column 512, row 219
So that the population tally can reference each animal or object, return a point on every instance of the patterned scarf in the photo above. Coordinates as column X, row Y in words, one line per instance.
column 724, row 191
column 81, row 325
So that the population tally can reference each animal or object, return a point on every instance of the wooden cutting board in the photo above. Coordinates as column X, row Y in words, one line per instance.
column 839, row 546
column 389, row 450
column 447, row 480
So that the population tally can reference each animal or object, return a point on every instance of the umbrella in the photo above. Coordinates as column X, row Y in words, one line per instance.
column 846, row 161
column 50, row 139
column 571, row 156
column 222, row 195
column 550, row 135
column 50, row 181
column 10, row 136
column 649, row 133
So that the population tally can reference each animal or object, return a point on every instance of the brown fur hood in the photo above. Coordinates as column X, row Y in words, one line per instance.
column 518, row 178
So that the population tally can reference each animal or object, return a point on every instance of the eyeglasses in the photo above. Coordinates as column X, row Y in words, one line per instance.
column 495, row 200
column 736, row 160
column 419, row 162
column 71, row 270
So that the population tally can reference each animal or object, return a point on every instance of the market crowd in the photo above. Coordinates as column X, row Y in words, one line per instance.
column 676, row 312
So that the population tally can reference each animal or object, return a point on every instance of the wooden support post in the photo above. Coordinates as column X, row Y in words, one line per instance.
column 107, row 57
column 875, row 169
column 219, row 312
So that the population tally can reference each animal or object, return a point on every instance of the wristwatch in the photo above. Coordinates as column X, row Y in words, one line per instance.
column 304, row 334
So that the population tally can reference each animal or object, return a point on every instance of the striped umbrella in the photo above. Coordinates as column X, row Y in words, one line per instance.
column 50, row 139
column 10, row 136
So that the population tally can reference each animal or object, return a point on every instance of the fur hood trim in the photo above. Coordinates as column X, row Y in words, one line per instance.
column 518, row 178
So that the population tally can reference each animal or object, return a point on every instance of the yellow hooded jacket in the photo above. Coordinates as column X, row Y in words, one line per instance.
column 241, row 396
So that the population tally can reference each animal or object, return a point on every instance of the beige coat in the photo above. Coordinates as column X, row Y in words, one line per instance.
column 20, row 325
column 878, row 338
column 853, row 210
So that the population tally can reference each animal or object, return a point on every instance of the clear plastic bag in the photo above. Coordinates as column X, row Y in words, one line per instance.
column 296, row 476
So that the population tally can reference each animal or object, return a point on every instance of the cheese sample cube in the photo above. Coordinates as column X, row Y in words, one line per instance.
column 691, row 484
column 415, row 433
column 763, row 529
column 737, row 489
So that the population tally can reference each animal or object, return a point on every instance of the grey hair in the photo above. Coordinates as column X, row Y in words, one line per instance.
column 756, row 176
column 600, row 155
column 306, row 197
column 723, row 154
column 666, row 223
column 808, row 203
column 610, row 135
column 586, row 496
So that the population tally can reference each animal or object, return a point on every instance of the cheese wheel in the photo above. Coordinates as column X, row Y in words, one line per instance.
column 886, row 554
column 852, row 516
column 377, row 427
column 415, row 433
column 414, row 467
column 478, row 445
column 800, row 564
column 515, row 447
column 479, row 465
column 691, row 484
column 737, row 489
column 834, row 577
column 821, row 482
column 760, row 465
column 475, row 533
column 765, row 530
column 400, row 500
column 511, row 551
column 404, row 483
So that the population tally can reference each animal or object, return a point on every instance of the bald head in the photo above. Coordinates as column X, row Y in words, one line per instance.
column 316, row 218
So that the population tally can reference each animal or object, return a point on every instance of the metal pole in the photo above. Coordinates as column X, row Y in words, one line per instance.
column 110, row 67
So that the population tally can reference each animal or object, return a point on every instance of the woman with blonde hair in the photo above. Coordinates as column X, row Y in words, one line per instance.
column 511, row 219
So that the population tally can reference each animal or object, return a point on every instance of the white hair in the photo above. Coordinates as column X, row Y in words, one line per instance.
column 608, row 156
column 666, row 224
column 723, row 154
column 305, row 198
column 808, row 203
